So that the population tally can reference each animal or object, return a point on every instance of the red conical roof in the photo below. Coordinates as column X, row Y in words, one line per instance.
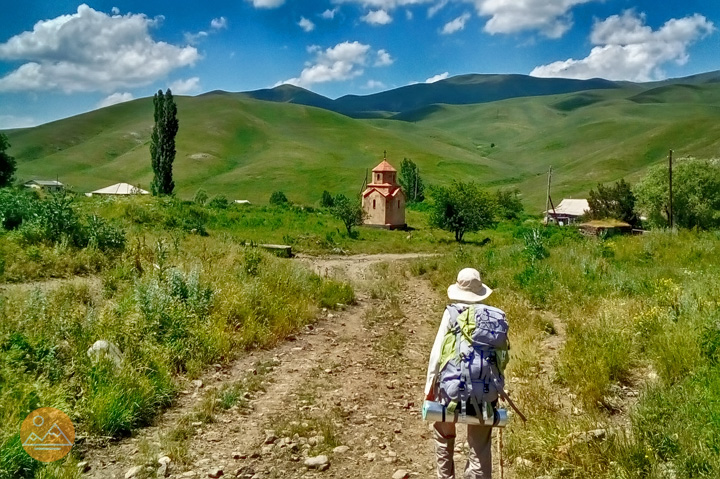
column 384, row 166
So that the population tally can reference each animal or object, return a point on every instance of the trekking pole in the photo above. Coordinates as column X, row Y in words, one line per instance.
column 502, row 465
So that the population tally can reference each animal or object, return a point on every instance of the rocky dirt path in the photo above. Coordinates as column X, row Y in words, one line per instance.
column 346, row 391
column 349, row 388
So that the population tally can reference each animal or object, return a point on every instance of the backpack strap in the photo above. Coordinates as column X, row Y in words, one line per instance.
column 460, row 339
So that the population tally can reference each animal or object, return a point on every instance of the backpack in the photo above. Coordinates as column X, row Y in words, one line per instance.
column 473, row 359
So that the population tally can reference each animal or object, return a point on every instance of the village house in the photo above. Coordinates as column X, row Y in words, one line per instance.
column 119, row 189
column 567, row 212
column 383, row 200
column 50, row 186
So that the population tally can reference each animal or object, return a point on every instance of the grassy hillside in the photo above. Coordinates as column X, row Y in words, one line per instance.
column 587, row 137
column 246, row 148
column 227, row 144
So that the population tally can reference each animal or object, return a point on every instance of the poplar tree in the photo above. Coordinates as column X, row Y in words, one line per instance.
column 7, row 163
column 411, row 182
column 162, row 143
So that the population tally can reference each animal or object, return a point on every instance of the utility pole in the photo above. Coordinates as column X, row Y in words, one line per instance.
column 417, row 173
column 547, row 200
column 670, row 213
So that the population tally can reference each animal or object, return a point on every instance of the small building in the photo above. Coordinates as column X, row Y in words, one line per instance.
column 119, row 189
column 45, row 185
column 607, row 227
column 567, row 212
column 383, row 200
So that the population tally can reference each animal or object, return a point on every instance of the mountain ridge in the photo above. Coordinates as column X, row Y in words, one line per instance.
column 463, row 89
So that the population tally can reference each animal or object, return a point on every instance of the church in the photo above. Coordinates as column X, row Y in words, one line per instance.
column 384, row 200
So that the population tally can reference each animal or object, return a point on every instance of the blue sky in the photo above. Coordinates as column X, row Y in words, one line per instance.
column 61, row 58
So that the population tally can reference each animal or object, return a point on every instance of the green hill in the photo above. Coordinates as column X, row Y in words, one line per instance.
column 588, row 137
column 246, row 148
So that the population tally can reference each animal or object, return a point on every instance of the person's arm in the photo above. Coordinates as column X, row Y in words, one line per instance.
column 433, row 364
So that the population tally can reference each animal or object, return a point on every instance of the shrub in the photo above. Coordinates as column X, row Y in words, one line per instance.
column 278, row 198
column 219, row 202
column 59, row 220
column 200, row 197
column 17, row 206
column 104, row 236
column 710, row 343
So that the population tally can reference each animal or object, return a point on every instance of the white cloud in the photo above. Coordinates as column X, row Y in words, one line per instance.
column 91, row 51
column 377, row 17
column 456, row 25
column 373, row 85
column 11, row 121
column 266, row 3
column 383, row 59
column 342, row 62
column 330, row 14
column 409, row 14
column 438, row 77
column 306, row 24
column 385, row 4
column 436, row 8
column 219, row 23
column 115, row 11
column 551, row 17
column 185, row 87
column 114, row 99
column 216, row 24
column 627, row 49
column 194, row 38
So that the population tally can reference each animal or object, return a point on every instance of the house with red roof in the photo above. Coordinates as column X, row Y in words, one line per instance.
column 383, row 200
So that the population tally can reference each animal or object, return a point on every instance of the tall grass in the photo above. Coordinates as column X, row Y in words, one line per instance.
column 641, row 314
column 171, row 307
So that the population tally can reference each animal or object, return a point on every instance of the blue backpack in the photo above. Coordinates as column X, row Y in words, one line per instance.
column 474, row 354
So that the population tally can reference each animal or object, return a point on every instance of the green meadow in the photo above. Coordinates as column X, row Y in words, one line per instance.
column 187, row 290
column 245, row 149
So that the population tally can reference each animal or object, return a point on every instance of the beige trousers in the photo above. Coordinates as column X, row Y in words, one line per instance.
column 479, row 461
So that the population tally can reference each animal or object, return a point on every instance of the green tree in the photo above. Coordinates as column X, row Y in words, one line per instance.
column 327, row 201
column 162, row 143
column 411, row 182
column 509, row 206
column 278, row 198
column 7, row 163
column 696, row 194
column 461, row 208
column 616, row 201
column 349, row 212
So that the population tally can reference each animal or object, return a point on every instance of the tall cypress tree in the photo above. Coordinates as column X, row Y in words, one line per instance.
column 162, row 143
column 7, row 163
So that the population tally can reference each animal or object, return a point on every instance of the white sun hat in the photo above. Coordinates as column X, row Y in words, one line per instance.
column 469, row 287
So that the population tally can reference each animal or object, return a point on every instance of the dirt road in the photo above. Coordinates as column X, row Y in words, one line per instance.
column 353, row 379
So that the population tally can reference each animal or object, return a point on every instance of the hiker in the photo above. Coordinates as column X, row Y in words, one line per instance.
column 468, row 292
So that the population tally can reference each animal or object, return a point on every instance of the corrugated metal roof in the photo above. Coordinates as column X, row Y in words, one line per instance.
column 120, row 189
column 45, row 182
column 571, row 207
